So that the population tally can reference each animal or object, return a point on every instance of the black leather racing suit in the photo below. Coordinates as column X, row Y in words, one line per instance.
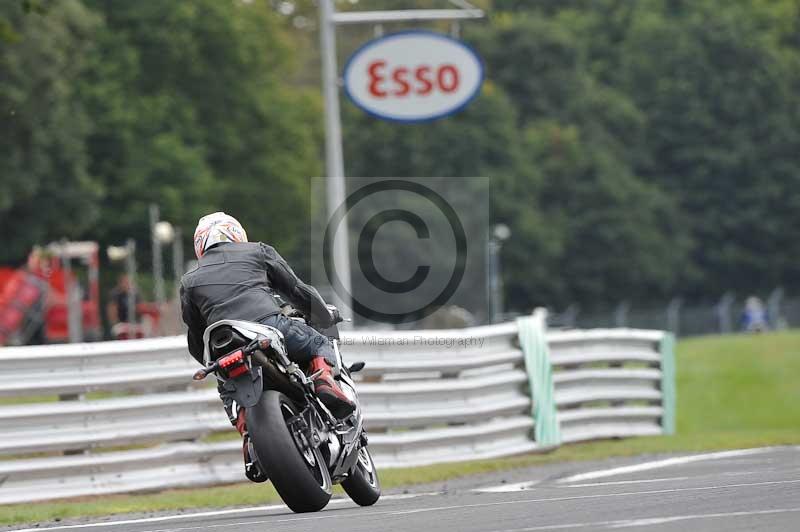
column 234, row 281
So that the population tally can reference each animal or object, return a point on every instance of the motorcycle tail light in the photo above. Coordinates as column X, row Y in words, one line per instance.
column 233, row 364
column 233, row 358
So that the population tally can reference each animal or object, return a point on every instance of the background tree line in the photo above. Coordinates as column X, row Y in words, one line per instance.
column 636, row 149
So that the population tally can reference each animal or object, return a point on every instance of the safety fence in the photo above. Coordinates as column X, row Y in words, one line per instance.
column 732, row 312
column 100, row 418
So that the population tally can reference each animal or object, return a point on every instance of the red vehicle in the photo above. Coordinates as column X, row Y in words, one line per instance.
column 34, row 302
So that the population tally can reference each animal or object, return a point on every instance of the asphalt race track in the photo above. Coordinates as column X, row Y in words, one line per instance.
column 736, row 490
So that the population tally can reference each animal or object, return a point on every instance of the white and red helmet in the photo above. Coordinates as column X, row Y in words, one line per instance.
column 215, row 228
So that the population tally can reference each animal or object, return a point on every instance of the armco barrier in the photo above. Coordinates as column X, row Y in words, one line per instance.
column 113, row 417
column 608, row 383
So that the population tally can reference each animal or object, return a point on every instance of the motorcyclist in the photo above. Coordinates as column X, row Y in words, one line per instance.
column 235, row 280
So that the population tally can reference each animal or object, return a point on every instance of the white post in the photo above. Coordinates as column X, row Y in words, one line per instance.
column 334, row 160
column 491, row 278
column 674, row 315
column 158, row 260
column 177, row 257
column 133, row 287
column 72, row 291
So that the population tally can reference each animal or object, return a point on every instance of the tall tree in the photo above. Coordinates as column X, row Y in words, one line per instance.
column 195, row 115
column 611, row 233
column 48, row 191
column 481, row 141
column 722, row 133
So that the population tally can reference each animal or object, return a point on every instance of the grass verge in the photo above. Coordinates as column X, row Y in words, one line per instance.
column 733, row 392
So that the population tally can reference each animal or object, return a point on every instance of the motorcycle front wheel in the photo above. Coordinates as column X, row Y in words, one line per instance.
column 362, row 483
column 297, row 470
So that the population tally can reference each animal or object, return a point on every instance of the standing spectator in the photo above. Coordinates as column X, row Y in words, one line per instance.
column 754, row 315
column 117, row 308
column 38, row 267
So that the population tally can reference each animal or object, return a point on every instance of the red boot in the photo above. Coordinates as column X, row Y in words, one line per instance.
column 328, row 391
column 251, row 468
column 241, row 422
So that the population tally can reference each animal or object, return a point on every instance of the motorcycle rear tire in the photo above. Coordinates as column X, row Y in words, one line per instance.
column 304, row 487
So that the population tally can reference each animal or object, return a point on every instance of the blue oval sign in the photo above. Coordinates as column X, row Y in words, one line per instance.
column 413, row 76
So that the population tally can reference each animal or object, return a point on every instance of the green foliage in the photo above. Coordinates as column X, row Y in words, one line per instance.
column 43, row 126
column 478, row 142
column 584, row 139
column 723, row 130
column 693, row 108
column 110, row 105
column 621, row 226
column 636, row 149
column 196, row 117
column 652, row 151
column 533, row 59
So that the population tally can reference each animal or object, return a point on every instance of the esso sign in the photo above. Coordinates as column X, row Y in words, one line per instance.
column 413, row 76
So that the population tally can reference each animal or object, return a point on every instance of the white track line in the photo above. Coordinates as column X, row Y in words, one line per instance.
column 574, row 478
column 162, row 518
column 507, row 488
column 671, row 519
column 658, row 464
column 213, row 513
column 625, row 523
column 372, row 513
column 596, row 496
column 327, row 515
column 621, row 482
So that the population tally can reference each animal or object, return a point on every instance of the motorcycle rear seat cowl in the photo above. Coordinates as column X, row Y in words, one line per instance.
column 224, row 340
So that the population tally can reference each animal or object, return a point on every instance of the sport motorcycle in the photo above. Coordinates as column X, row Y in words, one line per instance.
column 294, row 438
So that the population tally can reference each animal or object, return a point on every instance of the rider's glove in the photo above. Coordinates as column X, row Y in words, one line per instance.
column 336, row 316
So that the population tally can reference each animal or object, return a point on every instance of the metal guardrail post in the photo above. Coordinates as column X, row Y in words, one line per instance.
column 532, row 339
column 133, row 288
column 158, row 260
column 723, row 310
column 668, row 385
column 73, row 299
column 774, row 314
column 621, row 314
column 674, row 315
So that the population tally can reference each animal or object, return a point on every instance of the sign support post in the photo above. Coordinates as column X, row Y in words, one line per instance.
column 334, row 158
